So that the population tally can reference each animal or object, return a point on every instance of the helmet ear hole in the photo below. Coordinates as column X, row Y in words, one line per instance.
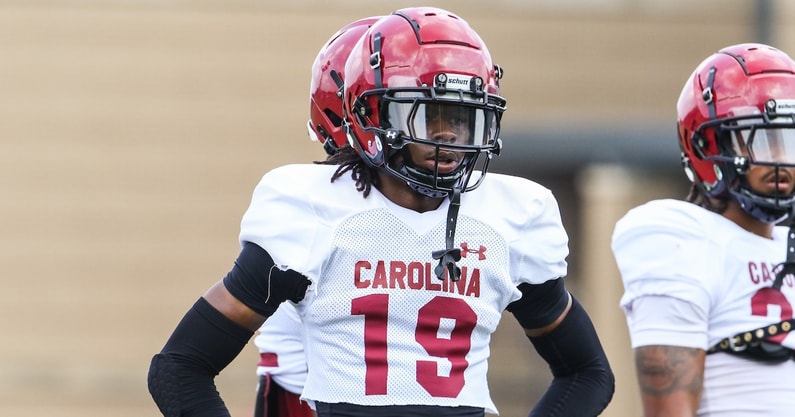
column 700, row 143
column 361, row 107
column 333, row 117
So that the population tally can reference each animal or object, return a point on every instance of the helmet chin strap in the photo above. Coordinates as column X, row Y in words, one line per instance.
column 420, row 177
column 450, row 255
column 427, row 191
column 767, row 208
column 410, row 172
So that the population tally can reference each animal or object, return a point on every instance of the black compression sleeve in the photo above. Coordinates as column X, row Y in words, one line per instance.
column 259, row 284
column 541, row 304
column 583, row 382
column 181, row 376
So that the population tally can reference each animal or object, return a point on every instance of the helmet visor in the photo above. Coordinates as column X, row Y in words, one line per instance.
column 455, row 124
column 767, row 144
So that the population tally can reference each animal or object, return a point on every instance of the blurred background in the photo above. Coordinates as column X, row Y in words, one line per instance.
column 132, row 133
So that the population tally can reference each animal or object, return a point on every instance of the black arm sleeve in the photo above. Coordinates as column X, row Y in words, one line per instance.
column 259, row 284
column 583, row 383
column 181, row 376
column 541, row 304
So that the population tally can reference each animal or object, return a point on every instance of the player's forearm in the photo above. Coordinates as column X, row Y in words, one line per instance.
column 585, row 394
column 181, row 376
column 583, row 381
column 670, row 380
column 673, row 406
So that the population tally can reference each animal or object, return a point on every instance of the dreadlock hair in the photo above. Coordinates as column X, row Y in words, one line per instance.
column 350, row 161
column 696, row 196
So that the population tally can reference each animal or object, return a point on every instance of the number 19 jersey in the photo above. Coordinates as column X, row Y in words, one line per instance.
column 381, row 327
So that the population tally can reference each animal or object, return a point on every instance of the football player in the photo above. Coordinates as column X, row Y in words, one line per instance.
column 708, row 281
column 282, row 366
column 399, row 252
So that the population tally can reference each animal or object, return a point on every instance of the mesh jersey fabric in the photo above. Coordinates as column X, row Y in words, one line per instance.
column 381, row 329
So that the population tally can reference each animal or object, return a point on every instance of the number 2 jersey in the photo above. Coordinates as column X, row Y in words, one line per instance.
column 380, row 327
column 692, row 278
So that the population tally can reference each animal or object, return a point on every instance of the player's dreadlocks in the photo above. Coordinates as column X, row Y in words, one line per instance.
column 696, row 196
column 348, row 160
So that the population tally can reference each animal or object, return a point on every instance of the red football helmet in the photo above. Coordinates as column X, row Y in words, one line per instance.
column 325, row 89
column 737, row 109
column 410, row 67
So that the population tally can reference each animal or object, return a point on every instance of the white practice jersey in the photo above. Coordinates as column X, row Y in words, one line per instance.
column 381, row 328
column 281, row 349
column 716, row 278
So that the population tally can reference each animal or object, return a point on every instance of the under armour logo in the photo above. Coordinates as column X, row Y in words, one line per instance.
column 481, row 251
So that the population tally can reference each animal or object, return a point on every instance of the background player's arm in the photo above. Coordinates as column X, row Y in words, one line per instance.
column 671, row 379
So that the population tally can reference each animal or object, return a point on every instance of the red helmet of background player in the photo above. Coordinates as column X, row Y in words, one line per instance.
column 737, row 109
column 410, row 65
column 325, row 89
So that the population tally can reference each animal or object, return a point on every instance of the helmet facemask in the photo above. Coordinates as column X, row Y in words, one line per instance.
column 455, row 126
column 749, row 137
